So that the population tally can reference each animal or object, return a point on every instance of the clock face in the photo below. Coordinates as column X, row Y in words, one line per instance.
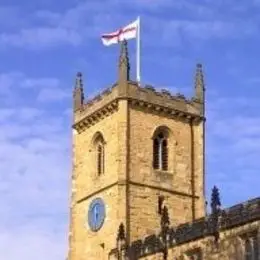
column 96, row 214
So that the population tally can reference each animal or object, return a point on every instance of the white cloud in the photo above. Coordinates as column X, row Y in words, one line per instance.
column 190, row 7
column 35, row 167
column 37, row 38
column 31, row 243
column 233, row 147
column 35, row 141
column 32, row 190
column 254, row 80
column 50, row 94
column 48, row 17
column 90, row 18
column 45, row 89
column 8, row 80
column 40, row 82
column 9, row 16
column 172, row 32
column 56, row 28
column 243, row 126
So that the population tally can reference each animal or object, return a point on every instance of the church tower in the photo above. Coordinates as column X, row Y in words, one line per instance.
column 135, row 149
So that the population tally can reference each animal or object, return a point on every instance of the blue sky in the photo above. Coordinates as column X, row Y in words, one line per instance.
column 44, row 43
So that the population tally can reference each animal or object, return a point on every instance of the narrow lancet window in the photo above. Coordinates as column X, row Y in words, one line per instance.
column 99, row 145
column 100, row 159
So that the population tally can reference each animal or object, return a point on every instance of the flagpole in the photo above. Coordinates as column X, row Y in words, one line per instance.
column 138, row 76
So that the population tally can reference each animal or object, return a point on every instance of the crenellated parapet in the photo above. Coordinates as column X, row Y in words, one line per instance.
column 163, row 101
column 147, row 98
column 89, row 111
column 230, row 218
column 95, row 109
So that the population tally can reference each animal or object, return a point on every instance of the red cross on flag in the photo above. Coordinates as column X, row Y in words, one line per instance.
column 128, row 32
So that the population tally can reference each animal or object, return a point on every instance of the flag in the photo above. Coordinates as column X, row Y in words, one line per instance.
column 128, row 32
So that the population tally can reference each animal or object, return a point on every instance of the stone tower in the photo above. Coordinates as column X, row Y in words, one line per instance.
column 135, row 149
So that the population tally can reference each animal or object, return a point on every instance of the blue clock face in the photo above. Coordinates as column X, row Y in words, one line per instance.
column 96, row 214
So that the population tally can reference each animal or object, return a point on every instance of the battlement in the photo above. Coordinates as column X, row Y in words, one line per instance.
column 89, row 112
column 149, row 97
column 234, row 216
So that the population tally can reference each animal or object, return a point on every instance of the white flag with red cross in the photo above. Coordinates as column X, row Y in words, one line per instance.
column 128, row 32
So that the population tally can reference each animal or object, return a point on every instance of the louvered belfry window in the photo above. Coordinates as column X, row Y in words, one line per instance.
column 164, row 155
column 100, row 159
column 160, row 152
column 155, row 153
column 99, row 144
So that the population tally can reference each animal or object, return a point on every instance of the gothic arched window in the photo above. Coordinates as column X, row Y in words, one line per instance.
column 99, row 146
column 100, row 159
column 160, row 151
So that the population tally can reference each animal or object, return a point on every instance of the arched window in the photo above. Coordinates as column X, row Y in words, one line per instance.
column 160, row 151
column 100, row 158
column 99, row 147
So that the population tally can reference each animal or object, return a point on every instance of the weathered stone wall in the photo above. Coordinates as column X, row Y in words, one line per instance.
column 86, row 178
column 128, row 157
column 198, row 160
column 99, row 101
column 129, row 182
column 96, row 245
column 142, row 127
column 88, row 185
column 220, row 235
column 144, row 216
column 164, row 98
column 229, row 247
column 175, row 184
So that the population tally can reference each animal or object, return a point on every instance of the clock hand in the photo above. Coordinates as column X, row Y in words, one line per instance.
column 96, row 213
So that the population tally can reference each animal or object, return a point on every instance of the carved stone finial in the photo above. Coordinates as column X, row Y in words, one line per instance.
column 78, row 95
column 199, row 84
column 121, row 233
column 215, row 200
column 121, row 242
column 165, row 220
column 215, row 212
column 160, row 204
column 206, row 207
column 124, row 54
column 124, row 66
column 165, row 224
column 79, row 80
